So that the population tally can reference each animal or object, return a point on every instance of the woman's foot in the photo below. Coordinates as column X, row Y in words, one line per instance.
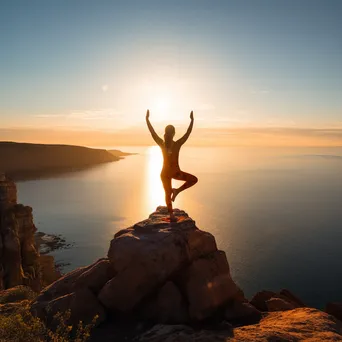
column 173, row 218
column 174, row 194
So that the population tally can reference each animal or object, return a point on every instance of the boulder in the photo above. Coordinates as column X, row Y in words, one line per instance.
column 335, row 309
column 92, row 277
column 290, row 297
column 83, row 306
column 171, row 305
column 260, row 298
column 168, row 306
column 278, row 304
column 156, row 270
column 302, row 324
column 148, row 254
column 208, row 285
column 96, row 276
column 62, row 286
column 242, row 313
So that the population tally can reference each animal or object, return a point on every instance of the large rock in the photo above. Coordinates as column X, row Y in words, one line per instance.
column 157, row 271
column 287, row 300
column 242, row 313
column 11, row 254
column 302, row 324
column 95, row 277
column 208, row 285
column 147, row 254
column 83, row 306
column 168, row 306
column 92, row 277
column 292, row 298
column 278, row 304
column 77, row 292
column 260, row 298
column 19, row 258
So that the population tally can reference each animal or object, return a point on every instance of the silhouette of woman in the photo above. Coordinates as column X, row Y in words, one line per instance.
column 171, row 169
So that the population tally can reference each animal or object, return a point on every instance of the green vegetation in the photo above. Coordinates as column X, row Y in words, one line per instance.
column 17, row 294
column 21, row 325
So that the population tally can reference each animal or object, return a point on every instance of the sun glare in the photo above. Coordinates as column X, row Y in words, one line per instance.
column 161, row 108
column 155, row 191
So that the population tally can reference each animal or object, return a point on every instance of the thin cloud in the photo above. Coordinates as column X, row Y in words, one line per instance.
column 95, row 114
column 260, row 91
column 49, row 116
column 206, row 107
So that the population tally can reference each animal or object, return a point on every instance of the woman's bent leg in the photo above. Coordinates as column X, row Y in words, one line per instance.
column 189, row 179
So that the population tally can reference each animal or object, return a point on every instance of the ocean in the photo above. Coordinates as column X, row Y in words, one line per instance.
column 276, row 212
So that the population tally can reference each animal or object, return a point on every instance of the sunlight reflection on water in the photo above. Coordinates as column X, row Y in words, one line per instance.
column 154, row 192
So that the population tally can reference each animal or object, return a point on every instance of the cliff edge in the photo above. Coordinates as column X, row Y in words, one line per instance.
column 20, row 262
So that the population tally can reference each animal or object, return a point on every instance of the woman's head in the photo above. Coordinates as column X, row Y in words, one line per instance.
column 169, row 131
column 169, row 134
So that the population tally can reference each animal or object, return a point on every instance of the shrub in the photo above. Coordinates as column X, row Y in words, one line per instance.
column 21, row 326
column 16, row 294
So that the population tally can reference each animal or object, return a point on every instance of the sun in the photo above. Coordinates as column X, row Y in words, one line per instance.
column 161, row 106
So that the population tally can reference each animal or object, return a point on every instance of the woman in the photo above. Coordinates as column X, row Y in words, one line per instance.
column 171, row 169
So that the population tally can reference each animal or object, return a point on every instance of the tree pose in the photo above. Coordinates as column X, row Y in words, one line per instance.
column 171, row 169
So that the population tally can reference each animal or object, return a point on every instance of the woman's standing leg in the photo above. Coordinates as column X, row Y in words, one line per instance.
column 166, row 180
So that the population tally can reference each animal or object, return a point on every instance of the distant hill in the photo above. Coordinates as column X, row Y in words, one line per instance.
column 119, row 153
column 23, row 160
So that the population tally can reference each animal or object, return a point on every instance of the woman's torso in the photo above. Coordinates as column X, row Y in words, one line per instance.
column 170, row 158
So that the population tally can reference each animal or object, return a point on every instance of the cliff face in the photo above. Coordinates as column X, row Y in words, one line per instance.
column 19, row 259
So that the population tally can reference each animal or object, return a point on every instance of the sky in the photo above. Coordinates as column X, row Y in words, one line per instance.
column 80, row 71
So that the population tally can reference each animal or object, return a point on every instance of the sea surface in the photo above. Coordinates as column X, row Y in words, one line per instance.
column 276, row 212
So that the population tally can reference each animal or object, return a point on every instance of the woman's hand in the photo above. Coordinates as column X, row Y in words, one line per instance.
column 192, row 115
column 147, row 114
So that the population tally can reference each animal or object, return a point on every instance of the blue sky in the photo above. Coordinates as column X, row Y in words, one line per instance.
column 99, row 64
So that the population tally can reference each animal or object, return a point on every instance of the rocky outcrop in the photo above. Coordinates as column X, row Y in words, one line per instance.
column 172, row 275
column 19, row 257
column 302, row 324
column 157, row 271
column 272, row 301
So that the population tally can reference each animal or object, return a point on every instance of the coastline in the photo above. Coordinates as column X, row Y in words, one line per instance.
column 26, row 161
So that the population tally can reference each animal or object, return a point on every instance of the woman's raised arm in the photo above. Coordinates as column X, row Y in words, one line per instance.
column 155, row 136
column 185, row 137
